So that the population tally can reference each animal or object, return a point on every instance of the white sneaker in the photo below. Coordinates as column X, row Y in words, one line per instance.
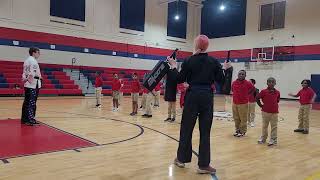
column 113, row 109
column 272, row 142
column 261, row 141
column 252, row 124
column 117, row 109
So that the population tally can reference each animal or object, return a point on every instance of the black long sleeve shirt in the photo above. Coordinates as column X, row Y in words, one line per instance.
column 200, row 69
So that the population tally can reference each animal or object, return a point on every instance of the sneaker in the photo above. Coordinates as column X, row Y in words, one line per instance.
column 305, row 132
column 168, row 119
column 236, row 133
column 252, row 124
column 117, row 109
column 149, row 116
column 261, row 141
column 178, row 163
column 113, row 109
column 132, row 114
column 206, row 170
column 240, row 134
column 272, row 142
column 298, row 130
column 97, row 105
column 35, row 122
column 100, row 106
column 172, row 119
column 145, row 115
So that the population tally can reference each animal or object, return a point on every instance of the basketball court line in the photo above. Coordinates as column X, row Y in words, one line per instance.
column 213, row 176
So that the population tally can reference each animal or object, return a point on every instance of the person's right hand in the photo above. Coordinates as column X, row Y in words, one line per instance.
column 172, row 62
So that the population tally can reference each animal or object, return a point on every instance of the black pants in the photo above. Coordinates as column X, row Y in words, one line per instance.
column 29, row 106
column 197, row 104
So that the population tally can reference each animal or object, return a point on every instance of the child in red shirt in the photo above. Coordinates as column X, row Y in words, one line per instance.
column 307, row 97
column 116, row 85
column 98, row 86
column 252, row 105
column 135, row 89
column 270, row 109
column 241, row 89
column 157, row 90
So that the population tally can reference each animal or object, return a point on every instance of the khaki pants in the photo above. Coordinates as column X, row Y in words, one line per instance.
column 135, row 97
column 98, row 95
column 143, row 101
column 271, row 118
column 116, row 95
column 149, row 98
column 172, row 109
column 157, row 98
column 240, row 116
column 252, row 112
column 303, row 117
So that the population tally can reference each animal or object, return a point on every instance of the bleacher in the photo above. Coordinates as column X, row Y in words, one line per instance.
column 55, row 81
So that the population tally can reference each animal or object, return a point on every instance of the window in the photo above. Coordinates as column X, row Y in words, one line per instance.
column 177, row 19
column 71, row 9
column 132, row 14
column 225, row 18
column 272, row 16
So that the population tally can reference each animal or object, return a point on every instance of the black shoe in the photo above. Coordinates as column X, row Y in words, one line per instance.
column 35, row 122
column 145, row 115
column 173, row 119
column 149, row 116
column 28, row 123
column 97, row 105
column 168, row 119
column 305, row 132
column 132, row 114
column 298, row 130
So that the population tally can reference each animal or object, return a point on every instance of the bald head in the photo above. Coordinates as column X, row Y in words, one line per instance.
column 201, row 43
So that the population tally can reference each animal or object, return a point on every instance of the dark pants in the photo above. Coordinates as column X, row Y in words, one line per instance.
column 198, row 103
column 29, row 106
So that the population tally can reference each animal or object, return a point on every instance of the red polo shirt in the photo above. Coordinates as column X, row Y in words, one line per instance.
column 270, row 100
column 241, row 90
column 98, row 81
column 135, row 86
column 306, row 95
column 116, row 85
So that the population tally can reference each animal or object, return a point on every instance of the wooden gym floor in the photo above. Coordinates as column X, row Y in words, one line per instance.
column 135, row 148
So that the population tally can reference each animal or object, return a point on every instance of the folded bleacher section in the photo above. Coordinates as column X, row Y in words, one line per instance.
column 55, row 81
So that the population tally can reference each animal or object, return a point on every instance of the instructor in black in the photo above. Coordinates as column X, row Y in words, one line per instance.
column 200, row 71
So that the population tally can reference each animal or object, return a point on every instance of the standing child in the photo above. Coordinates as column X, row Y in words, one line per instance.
column 116, row 85
column 135, row 89
column 252, row 104
column 270, row 109
column 157, row 90
column 170, row 95
column 307, row 97
column 98, row 86
column 241, row 89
